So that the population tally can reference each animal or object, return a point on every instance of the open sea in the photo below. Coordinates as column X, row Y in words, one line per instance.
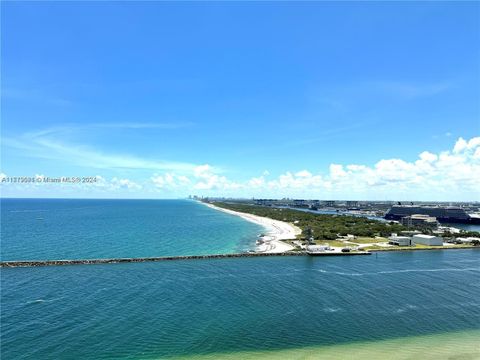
column 46, row 229
column 411, row 305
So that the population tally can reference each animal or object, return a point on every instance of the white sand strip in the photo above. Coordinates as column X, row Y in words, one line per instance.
column 276, row 231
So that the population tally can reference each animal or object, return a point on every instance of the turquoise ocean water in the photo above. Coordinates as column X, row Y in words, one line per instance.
column 422, row 304
column 84, row 229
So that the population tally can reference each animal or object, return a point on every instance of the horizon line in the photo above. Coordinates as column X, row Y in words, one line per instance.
column 233, row 198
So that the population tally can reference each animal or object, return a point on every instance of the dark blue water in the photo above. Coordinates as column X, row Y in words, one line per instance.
column 466, row 227
column 77, row 229
column 160, row 310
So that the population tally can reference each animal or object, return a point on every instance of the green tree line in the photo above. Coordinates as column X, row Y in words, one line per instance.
column 323, row 226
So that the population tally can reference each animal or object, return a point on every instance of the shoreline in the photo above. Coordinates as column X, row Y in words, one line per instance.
column 276, row 231
column 264, row 221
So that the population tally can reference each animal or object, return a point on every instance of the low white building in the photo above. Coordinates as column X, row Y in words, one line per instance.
column 467, row 240
column 318, row 248
column 429, row 240
column 400, row 240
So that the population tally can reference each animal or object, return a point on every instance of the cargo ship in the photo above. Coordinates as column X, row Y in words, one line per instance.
column 444, row 214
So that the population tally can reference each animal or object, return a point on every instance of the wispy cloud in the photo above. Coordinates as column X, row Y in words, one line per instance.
column 50, row 144
column 410, row 90
column 330, row 133
column 84, row 156
column 34, row 95
column 136, row 125
column 71, row 128
column 350, row 97
column 37, row 146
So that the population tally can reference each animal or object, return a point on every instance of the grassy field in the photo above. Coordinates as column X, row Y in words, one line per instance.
column 376, row 247
column 334, row 243
column 418, row 247
column 368, row 240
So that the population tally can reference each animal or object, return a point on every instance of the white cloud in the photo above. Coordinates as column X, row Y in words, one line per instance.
column 448, row 175
column 256, row 182
column 460, row 145
column 203, row 171
column 303, row 174
column 207, row 179
column 337, row 172
column 298, row 181
column 465, row 146
column 169, row 181
column 124, row 183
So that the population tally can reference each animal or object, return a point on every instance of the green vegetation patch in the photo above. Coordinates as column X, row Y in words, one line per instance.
column 321, row 226
column 334, row 243
column 369, row 240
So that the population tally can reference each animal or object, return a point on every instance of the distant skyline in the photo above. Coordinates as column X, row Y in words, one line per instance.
column 329, row 100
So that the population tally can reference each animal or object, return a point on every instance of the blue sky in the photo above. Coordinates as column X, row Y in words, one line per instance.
column 165, row 99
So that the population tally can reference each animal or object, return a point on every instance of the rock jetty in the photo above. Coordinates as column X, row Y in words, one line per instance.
column 36, row 263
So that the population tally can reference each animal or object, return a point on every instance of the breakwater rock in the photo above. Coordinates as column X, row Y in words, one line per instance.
column 35, row 263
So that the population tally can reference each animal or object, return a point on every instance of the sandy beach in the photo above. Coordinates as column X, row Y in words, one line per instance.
column 275, row 230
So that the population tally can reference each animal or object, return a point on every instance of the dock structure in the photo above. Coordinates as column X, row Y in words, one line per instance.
column 36, row 263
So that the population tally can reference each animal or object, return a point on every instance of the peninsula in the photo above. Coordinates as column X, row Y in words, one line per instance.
column 294, row 230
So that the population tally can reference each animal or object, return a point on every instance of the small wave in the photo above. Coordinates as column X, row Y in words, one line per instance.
column 406, row 308
column 461, row 305
column 40, row 301
column 342, row 273
column 395, row 271
column 425, row 270
column 331, row 310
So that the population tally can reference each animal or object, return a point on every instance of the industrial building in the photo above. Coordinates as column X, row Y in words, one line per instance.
column 429, row 240
column 400, row 240
column 419, row 220
column 467, row 240
column 318, row 248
